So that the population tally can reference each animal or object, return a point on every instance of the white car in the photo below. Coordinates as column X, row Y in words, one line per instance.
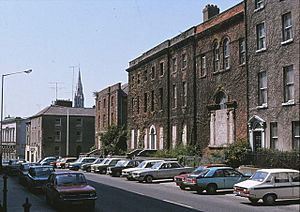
column 269, row 185
column 145, row 164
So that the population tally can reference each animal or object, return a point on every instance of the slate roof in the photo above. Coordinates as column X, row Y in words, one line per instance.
column 55, row 110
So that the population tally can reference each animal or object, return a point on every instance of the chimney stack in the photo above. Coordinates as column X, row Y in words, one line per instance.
column 210, row 11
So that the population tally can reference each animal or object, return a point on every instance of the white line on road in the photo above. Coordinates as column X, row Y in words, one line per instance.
column 177, row 203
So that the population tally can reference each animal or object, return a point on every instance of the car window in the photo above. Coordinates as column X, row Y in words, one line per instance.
column 175, row 165
column 70, row 179
column 295, row 177
column 219, row 173
column 114, row 162
column 259, row 176
column 43, row 171
column 282, row 177
column 231, row 173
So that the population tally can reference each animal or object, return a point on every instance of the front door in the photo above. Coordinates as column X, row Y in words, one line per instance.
column 256, row 140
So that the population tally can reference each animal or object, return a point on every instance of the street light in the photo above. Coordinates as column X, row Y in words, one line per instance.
column 2, row 95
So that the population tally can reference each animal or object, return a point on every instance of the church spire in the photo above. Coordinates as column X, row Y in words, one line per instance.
column 79, row 97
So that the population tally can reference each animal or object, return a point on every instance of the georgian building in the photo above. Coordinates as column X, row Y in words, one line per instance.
column 111, row 109
column 60, row 130
column 273, row 34
column 184, row 91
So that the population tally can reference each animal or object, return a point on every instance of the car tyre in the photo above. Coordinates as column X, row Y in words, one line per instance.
column 211, row 189
column 253, row 200
column 148, row 179
column 88, row 169
column 199, row 191
column 182, row 187
column 269, row 199
column 118, row 174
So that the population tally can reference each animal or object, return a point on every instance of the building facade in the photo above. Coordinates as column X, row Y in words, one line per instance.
column 111, row 109
column 13, row 138
column 184, row 91
column 61, row 131
column 273, row 36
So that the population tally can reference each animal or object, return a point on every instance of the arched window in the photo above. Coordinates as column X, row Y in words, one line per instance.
column 221, row 99
column 216, row 56
column 226, row 54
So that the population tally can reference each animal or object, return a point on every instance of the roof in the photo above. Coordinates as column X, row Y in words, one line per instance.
column 55, row 110
column 278, row 170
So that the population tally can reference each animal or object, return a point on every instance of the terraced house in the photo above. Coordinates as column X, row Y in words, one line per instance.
column 185, row 92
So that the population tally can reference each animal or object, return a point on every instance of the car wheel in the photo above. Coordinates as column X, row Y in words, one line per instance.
column 148, row 179
column 211, row 189
column 118, row 174
column 199, row 191
column 253, row 200
column 103, row 171
column 88, row 169
column 269, row 199
column 182, row 187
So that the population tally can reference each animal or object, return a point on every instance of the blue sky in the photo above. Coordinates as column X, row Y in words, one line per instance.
column 101, row 36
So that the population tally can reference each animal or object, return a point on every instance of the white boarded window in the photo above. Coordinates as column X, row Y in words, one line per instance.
column 174, row 136
column 161, row 138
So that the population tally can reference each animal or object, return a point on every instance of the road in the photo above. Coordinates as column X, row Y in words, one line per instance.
column 120, row 195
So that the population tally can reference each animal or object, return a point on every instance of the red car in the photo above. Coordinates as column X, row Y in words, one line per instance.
column 179, row 179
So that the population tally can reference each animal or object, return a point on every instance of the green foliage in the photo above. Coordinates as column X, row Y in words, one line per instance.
column 114, row 141
column 179, row 152
column 236, row 154
column 93, row 148
column 213, row 156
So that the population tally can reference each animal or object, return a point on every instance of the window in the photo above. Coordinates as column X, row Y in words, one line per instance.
column 161, row 68
column 112, row 118
column 78, row 136
column 242, row 51
column 221, row 100
column 226, row 53
column 78, row 122
column 288, row 83
column 262, row 92
column 99, row 121
column 145, row 102
column 58, row 122
column 259, row 4
column 287, row 34
column 216, row 57
column 145, row 75
column 273, row 135
column 203, row 65
column 174, row 64
column 152, row 100
column 112, row 101
column 132, row 105
column 138, row 79
column 132, row 80
column 161, row 98
column 103, row 120
column 99, row 105
column 296, row 135
column 57, row 135
column 184, row 61
column 104, row 103
column 152, row 72
column 138, row 105
column 174, row 96
column 261, row 36
column 184, row 91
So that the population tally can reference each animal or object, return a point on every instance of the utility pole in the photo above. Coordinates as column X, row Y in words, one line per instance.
column 73, row 69
column 55, row 85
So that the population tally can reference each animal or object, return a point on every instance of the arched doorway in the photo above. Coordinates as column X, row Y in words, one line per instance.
column 152, row 135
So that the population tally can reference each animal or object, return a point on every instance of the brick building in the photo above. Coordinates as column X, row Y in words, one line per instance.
column 184, row 90
column 111, row 109
column 273, row 34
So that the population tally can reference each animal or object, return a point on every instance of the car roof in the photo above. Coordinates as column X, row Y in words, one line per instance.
column 66, row 172
column 278, row 170
column 40, row 166
column 219, row 167
column 153, row 160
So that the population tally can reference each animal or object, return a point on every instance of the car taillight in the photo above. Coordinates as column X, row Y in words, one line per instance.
column 194, row 180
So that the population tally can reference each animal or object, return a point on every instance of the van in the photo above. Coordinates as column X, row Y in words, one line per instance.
column 269, row 185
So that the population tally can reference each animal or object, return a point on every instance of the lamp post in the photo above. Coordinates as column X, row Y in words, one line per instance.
column 2, row 96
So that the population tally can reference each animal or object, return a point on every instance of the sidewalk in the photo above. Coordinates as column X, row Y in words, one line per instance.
column 17, row 195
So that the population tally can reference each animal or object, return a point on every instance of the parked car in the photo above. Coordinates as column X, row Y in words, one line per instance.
column 69, row 188
column 102, row 167
column 87, row 166
column 47, row 160
column 54, row 163
column 82, row 160
column 13, row 166
column 116, row 171
column 161, row 170
column 23, row 171
column 214, row 178
column 145, row 164
column 269, row 185
column 62, row 163
column 179, row 179
column 37, row 176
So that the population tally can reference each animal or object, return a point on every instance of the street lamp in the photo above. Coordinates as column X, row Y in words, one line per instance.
column 2, row 95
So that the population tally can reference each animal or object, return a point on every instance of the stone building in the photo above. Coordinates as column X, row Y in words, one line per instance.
column 111, row 109
column 184, row 91
column 60, row 130
column 273, row 34
column 13, row 138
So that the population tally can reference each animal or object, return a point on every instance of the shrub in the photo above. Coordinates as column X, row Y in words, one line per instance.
column 236, row 154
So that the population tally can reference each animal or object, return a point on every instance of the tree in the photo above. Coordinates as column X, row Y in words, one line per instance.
column 114, row 141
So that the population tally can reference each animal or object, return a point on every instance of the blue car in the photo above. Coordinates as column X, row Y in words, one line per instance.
column 37, row 176
column 213, row 179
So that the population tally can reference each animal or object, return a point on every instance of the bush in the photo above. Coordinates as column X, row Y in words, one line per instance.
column 236, row 154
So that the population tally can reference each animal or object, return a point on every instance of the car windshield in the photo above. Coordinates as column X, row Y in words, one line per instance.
column 142, row 164
column 70, row 179
column 259, row 176
column 41, row 171
column 198, row 170
column 122, row 163
column 157, row 165
column 98, row 160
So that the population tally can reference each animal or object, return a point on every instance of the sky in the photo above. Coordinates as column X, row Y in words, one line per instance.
column 99, row 36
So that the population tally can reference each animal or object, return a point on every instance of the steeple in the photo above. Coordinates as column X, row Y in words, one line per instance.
column 79, row 97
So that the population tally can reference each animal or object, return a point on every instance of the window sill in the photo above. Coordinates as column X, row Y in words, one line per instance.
column 287, row 41
column 260, row 50
column 242, row 64
column 265, row 106
column 259, row 9
column 289, row 103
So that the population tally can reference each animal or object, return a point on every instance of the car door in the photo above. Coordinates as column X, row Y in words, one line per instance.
column 231, row 177
column 218, row 178
column 295, row 179
column 162, row 172
column 282, row 185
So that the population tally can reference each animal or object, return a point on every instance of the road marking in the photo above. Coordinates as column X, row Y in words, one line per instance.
column 177, row 203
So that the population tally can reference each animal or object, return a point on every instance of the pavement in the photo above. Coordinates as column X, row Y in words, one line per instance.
column 17, row 194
